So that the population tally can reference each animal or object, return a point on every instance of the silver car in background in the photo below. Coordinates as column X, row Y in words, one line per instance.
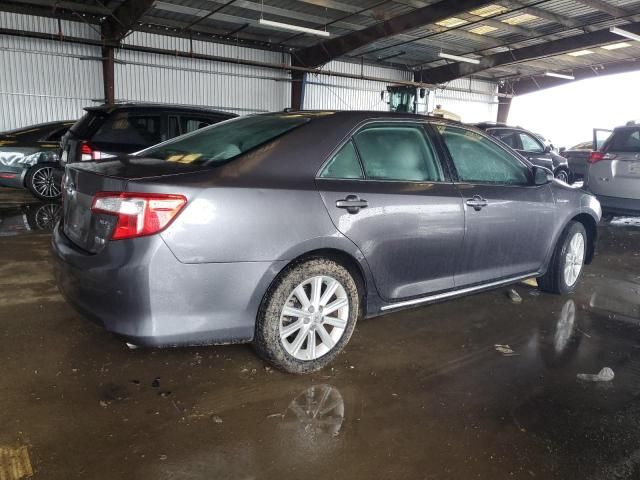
column 613, row 174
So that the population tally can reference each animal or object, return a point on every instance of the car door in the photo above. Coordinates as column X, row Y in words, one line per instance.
column 387, row 191
column 508, row 220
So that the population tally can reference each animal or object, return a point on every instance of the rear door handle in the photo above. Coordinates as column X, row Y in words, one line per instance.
column 477, row 202
column 352, row 203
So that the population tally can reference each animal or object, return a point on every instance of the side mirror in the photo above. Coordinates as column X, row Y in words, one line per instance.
column 547, row 148
column 542, row 176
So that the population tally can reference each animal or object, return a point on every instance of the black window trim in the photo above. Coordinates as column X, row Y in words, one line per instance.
column 428, row 133
column 496, row 141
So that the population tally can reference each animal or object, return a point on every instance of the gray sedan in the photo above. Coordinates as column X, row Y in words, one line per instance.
column 283, row 229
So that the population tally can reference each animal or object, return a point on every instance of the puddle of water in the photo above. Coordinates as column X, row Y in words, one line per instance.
column 28, row 218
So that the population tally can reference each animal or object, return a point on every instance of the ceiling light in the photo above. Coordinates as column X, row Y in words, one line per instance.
column 488, row 11
column 616, row 46
column 295, row 28
column 451, row 22
column 459, row 58
column 580, row 53
column 482, row 29
column 517, row 20
column 560, row 75
column 624, row 33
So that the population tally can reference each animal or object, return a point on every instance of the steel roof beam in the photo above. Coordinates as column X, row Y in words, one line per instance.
column 605, row 7
column 124, row 18
column 328, row 50
column 452, row 71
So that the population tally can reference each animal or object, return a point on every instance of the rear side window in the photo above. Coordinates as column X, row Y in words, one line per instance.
column 223, row 141
column 191, row 124
column 508, row 137
column 624, row 140
column 480, row 160
column 127, row 128
column 344, row 164
column 397, row 152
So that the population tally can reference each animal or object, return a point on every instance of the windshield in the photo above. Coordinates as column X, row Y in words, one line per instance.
column 224, row 141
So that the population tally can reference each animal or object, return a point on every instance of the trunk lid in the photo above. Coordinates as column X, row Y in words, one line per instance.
column 91, row 231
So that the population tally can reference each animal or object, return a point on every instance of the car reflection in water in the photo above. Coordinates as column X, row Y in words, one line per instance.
column 18, row 220
column 319, row 410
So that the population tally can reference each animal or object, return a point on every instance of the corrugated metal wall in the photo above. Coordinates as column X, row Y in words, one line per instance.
column 226, row 86
column 324, row 92
column 472, row 107
column 42, row 80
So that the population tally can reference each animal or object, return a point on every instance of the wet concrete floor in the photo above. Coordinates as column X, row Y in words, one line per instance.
column 421, row 394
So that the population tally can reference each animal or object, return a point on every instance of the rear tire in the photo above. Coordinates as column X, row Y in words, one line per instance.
column 307, row 316
column 42, row 182
column 567, row 261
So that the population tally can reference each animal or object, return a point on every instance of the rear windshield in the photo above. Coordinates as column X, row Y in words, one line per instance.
column 624, row 140
column 130, row 128
column 224, row 141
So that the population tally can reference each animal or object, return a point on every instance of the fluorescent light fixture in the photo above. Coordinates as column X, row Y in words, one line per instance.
column 616, row 46
column 488, row 11
column 580, row 53
column 518, row 19
column 560, row 75
column 482, row 29
column 294, row 28
column 624, row 33
column 459, row 58
column 451, row 22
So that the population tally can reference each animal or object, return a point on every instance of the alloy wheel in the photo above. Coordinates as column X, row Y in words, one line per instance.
column 44, row 183
column 562, row 176
column 574, row 259
column 314, row 317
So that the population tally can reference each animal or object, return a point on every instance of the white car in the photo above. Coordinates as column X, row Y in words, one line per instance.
column 613, row 173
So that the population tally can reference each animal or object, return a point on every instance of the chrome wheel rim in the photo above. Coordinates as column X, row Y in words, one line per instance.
column 44, row 183
column 314, row 318
column 574, row 259
column 47, row 216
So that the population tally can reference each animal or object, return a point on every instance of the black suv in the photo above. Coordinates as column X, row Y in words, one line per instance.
column 530, row 146
column 112, row 130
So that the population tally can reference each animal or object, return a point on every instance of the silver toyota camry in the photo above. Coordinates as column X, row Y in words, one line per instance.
column 284, row 229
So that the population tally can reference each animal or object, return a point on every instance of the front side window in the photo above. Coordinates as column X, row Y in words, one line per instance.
column 226, row 140
column 477, row 159
column 530, row 144
column 344, row 164
column 397, row 152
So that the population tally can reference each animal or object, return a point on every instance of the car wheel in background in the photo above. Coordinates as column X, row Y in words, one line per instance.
column 307, row 316
column 563, row 176
column 42, row 182
column 567, row 261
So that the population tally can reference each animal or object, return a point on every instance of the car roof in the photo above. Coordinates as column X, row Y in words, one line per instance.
column 157, row 106
column 39, row 126
column 361, row 115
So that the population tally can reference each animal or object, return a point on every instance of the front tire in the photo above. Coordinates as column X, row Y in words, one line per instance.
column 567, row 261
column 307, row 316
column 42, row 182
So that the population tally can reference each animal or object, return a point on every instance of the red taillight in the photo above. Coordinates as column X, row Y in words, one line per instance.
column 87, row 153
column 595, row 157
column 139, row 214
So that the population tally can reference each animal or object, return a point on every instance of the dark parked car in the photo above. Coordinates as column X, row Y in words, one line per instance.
column 29, row 158
column 285, row 228
column 531, row 147
column 578, row 158
column 111, row 130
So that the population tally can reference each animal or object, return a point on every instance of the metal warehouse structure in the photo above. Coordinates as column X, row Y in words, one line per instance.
column 61, row 56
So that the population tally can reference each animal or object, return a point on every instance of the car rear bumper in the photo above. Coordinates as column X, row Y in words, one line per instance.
column 139, row 290
column 620, row 206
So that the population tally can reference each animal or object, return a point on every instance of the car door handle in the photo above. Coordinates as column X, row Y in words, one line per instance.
column 477, row 202
column 352, row 203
